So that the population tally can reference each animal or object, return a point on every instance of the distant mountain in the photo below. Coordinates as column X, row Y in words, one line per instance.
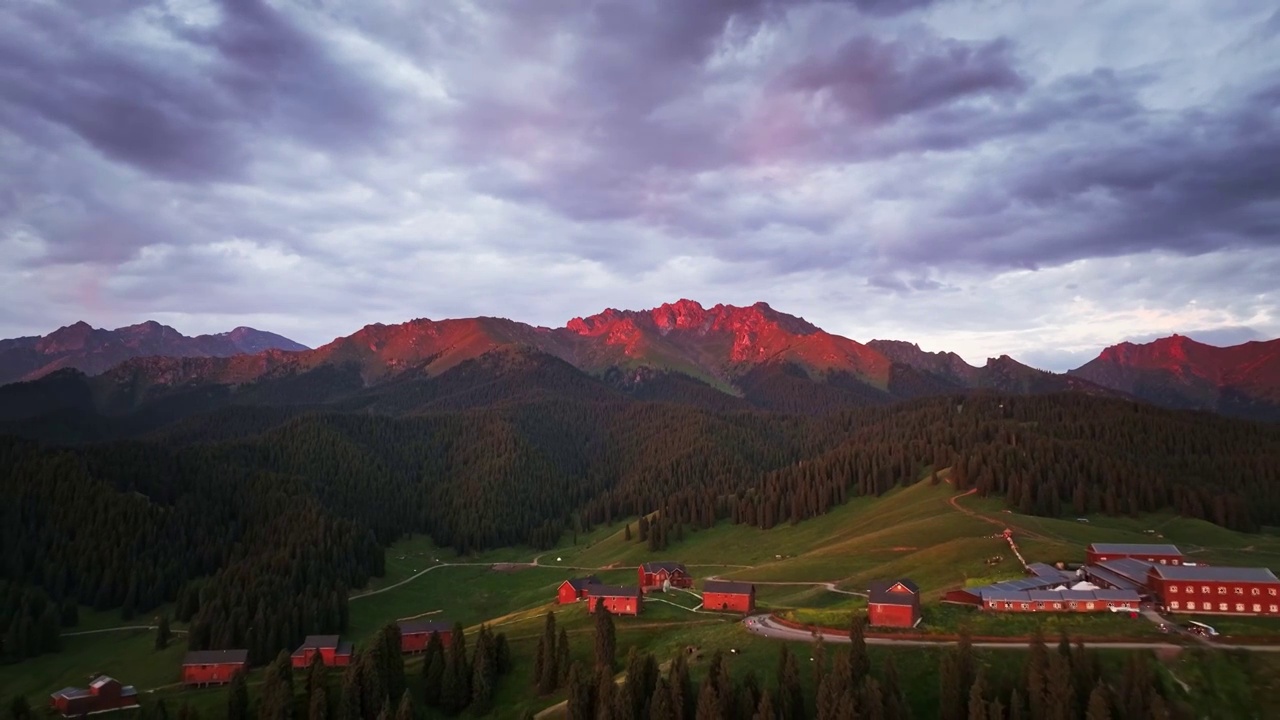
column 1241, row 380
column 94, row 351
column 722, row 358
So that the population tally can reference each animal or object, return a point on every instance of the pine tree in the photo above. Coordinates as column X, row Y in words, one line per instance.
column 1015, row 705
column 317, row 675
column 318, row 708
column 682, row 697
column 605, row 687
column 502, row 655
column 392, row 661
column 951, row 702
column 708, row 702
column 405, row 710
column 859, row 660
column 1037, row 675
column 1099, row 707
column 483, row 676
column 873, row 707
column 1059, row 702
column 660, row 702
column 790, row 693
column 277, row 690
column 765, row 711
column 455, row 689
column 581, row 700
column 819, row 661
column 606, row 641
column 349, row 700
column 433, row 663
column 977, row 698
column 546, row 665
column 895, row 703
column 163, row 634
column 238, row 698
column 563, row 656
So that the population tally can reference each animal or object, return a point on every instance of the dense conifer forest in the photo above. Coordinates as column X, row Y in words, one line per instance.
column 258, row 522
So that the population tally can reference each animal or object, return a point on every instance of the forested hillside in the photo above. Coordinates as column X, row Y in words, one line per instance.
column 250, row 518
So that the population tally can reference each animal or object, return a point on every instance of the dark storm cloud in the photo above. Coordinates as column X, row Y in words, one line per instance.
column 187, row 110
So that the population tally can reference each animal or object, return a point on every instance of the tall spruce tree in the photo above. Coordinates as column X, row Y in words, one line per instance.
column 433, row 662
column 951, row 701
column 318, row 706
column 708, row 702
column 978, row 698
column 483, row 675
column 1037, row 674
column 605, row 688
column 163, row 633
column 859, row 660
column 790, row 692
column 895, row 703
column 606, row 640
column 660, row 702
column 581, row 696
column 1099, row 707
column 238, row 698
column 317, row 675
column 455, row 691
column 765, row 711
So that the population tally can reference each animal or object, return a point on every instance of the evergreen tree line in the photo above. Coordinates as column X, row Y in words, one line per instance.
column 259, row 540
column 31, row 623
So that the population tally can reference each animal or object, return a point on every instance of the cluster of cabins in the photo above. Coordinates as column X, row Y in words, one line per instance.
column 202, row 668
column 723, row 595
column 1120, row 577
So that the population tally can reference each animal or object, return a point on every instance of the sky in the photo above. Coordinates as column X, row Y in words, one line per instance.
column 1038, row 179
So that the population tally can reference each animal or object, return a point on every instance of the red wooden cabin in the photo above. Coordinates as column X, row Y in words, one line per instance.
column 1217, row 590
column 729, row 596
column 618, row 600
column 103, row 695
column 654, row 575
column 575, row 589
column 332, row 652
column 1155, row 554
column 894, row 603
column 213, row 667
column 415, row 634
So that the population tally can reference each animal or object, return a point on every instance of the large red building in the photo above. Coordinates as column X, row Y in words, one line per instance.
column 1217, row 590
column 415, row 634
column 575, row 589
column 894, row 603
column 213, row 667
column 1154, row 554
column 655, row 575
column 729, row 596
column 618, row 600
column 104, row 694
column 332, row 652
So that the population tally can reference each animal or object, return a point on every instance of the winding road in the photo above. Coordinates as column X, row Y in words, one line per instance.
column 766, row 626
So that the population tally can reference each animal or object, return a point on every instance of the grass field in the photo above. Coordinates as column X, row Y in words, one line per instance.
column 911, row 532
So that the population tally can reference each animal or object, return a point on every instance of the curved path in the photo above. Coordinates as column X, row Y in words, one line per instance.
column 765, row 626
column 118, row 629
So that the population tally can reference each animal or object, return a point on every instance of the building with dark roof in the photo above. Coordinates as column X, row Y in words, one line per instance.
column 332, row 651
column 1216, row 590
column 655, row 575
column 1156, row 554
column 415, row 634
column 616, row 599
column 729, row 596
column 104, row 694
column 213, row 667
column 575, row 589
column 893, row 603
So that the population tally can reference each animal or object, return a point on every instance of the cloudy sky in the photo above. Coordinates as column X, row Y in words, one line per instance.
column 986, row 176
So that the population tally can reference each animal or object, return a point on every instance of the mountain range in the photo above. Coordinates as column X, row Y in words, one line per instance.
column 724, row 357
column 93, row 351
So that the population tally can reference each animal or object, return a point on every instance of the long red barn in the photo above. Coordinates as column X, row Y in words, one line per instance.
column 1160, row 554
column 415, row 634
column 213, row 667
column 104, row 694
column 618, row 600
column 332, row 652
column 1216, row 590
column 729, row 596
